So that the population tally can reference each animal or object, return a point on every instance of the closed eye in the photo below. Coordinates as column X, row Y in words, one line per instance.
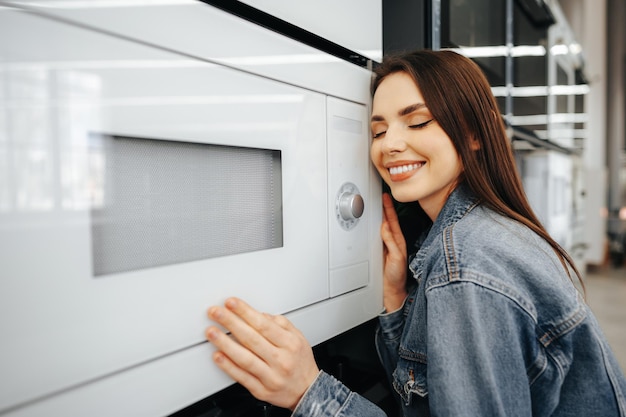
column 416, row 126
column 421, row 125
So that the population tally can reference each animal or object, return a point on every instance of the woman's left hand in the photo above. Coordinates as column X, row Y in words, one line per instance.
column 267, row 355
column 394, row 256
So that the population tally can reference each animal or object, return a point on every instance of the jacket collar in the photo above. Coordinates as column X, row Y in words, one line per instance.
column 461, row 201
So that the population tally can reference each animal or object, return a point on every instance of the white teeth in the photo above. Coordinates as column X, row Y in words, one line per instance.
column 404, row 168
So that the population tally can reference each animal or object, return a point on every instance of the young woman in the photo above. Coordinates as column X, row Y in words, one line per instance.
column 490, row 323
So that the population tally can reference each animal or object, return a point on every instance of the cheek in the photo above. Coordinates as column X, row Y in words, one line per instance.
column 375, row 153
column 376, row 158
column 455, row 166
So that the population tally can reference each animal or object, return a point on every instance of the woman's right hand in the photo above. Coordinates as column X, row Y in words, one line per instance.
column 395, row 257
column 266, row 354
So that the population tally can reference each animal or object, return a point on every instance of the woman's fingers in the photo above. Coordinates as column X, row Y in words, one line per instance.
column 262, row 385
column 394, row 256
column 263, row 323
column 282, row 322
column 266, row 354
column 257, row 331
column 239, row 374
column 250, row 336
column 233, row 358
column 394, row 232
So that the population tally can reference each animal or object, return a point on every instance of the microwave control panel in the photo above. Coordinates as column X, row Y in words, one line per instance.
column 348, row 186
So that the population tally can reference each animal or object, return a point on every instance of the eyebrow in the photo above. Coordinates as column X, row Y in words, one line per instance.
column 402, row 112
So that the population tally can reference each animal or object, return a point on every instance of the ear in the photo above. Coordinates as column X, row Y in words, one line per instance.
column 474, row 144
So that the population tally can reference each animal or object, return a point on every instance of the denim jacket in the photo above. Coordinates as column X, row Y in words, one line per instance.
column 494, row 327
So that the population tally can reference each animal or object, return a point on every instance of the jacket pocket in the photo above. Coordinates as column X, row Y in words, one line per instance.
column 409, row 378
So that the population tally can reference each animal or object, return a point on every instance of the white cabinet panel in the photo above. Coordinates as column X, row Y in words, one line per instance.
column 204, row 32
column 353, row 24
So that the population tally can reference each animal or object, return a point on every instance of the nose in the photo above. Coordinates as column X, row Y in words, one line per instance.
column 393, row 141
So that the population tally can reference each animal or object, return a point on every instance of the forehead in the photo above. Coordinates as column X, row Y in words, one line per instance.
column 396, row 91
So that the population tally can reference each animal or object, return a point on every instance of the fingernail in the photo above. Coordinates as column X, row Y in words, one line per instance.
column 231, row 303
column 211, row 334
column 218, row 357
column 215, row 313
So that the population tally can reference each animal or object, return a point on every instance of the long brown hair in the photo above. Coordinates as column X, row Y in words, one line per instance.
column 460, row 99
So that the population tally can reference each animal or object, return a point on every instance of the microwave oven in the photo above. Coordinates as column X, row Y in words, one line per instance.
column 142, row 183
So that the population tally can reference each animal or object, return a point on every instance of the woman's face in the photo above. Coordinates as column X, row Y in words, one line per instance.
column 412, row 153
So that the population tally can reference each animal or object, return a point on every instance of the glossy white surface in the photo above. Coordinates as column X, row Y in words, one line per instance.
column 161, row 387
column 132, row 343
column 354, row 24
column 348, row 162
column 182, row 26
column 56, row 176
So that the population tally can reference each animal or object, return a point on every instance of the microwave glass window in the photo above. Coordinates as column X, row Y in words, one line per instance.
column 167, row 202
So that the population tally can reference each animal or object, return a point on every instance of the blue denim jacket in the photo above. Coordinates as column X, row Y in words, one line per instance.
column 494, row 327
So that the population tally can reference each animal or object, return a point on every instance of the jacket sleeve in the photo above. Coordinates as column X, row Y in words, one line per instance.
column 388, row 334
column 479, row 345
column 328, row 397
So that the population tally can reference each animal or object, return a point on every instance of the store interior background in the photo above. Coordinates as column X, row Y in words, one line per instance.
column 599, row 27
column 600, row 30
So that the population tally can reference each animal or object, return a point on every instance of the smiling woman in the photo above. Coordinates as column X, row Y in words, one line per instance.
column 411, row 151
column 491, row 303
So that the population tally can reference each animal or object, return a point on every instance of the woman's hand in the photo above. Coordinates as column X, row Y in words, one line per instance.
column 268, row 355
column 395, row 258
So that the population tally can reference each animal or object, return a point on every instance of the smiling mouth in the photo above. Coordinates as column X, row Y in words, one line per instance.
column 405, row 168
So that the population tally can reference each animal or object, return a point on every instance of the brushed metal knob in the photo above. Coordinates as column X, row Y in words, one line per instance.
column 351, row 206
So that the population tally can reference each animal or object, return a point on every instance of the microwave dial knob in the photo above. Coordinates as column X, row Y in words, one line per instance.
column 349, row 206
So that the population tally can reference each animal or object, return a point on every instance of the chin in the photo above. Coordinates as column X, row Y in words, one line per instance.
column 403, row 197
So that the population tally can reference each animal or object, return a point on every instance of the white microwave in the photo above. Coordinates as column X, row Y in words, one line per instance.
column 141, row 184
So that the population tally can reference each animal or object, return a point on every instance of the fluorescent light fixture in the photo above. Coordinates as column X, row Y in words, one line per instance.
column 568, row 90
column 559, row 49
column 542, row 119
column 482, row 51
column 500, row 91
column 541, row 90
column 528, row 50
column 501, row 50
column 533, row 91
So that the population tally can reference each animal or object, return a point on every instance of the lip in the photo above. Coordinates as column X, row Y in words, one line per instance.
column 402, row 170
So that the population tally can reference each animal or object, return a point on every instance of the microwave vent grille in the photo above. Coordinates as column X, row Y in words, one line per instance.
column 167, row 202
